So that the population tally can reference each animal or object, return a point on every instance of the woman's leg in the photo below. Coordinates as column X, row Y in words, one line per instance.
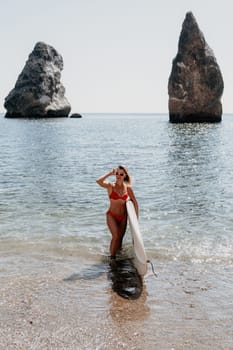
column 117, row 230
column 122, row 230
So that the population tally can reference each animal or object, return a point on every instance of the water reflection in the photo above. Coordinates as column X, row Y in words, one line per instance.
column 193, row 165
column 123, row 310
column 128, row 317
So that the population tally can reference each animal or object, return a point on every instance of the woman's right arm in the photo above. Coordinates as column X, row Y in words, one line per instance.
column 101, row 180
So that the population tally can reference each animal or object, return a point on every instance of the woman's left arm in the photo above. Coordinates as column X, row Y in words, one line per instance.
column 134, row 200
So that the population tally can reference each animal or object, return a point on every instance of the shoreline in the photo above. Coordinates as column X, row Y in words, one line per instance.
column 189, row 306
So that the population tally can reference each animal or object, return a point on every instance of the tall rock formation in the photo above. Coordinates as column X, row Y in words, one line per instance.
column 38, row 91
column 195, row 84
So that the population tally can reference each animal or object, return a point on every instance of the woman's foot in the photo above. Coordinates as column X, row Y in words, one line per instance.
column 112, row 260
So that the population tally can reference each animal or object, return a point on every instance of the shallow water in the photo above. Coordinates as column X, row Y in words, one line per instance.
column 53, row 238
column 61, row 306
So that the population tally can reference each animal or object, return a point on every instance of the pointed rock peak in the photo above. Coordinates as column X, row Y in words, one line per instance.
column 195, row 84
column 189, row 18
column 190, row 22
column 190, row 31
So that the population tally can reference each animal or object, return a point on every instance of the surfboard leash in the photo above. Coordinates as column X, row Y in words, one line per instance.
column 152, row 268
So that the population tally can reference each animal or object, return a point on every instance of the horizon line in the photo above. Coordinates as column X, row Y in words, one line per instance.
column 127, row 113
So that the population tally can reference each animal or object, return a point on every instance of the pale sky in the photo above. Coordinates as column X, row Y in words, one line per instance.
column 117, row 53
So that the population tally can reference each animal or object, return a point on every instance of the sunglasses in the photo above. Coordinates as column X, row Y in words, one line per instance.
column 119, row 174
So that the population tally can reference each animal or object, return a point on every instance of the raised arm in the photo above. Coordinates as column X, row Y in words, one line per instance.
column 101, row 180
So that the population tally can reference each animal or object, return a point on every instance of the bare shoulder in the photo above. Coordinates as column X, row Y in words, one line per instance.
column 130, row 189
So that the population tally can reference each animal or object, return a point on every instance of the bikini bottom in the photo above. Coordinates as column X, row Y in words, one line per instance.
column 118, row 218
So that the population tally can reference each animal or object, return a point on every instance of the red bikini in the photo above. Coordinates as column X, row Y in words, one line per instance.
column 114, row 195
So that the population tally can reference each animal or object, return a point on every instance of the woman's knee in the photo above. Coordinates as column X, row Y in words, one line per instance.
column 122, row 229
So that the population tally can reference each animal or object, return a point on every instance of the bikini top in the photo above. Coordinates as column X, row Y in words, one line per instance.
column 115, row 196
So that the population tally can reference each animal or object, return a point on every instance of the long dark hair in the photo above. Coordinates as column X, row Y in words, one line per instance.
column 127, row 178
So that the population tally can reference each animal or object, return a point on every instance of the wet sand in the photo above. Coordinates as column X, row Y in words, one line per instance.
column 61, row 304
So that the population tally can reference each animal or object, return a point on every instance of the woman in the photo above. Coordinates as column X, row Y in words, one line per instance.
column 118, row 191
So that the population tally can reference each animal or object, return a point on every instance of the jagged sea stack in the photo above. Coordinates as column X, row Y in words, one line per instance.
column 38, row 91
column 195, row 84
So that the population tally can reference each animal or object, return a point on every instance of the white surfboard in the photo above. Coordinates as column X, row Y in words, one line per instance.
column 140, row 258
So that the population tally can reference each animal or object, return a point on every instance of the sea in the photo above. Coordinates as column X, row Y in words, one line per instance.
column 54, row 241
